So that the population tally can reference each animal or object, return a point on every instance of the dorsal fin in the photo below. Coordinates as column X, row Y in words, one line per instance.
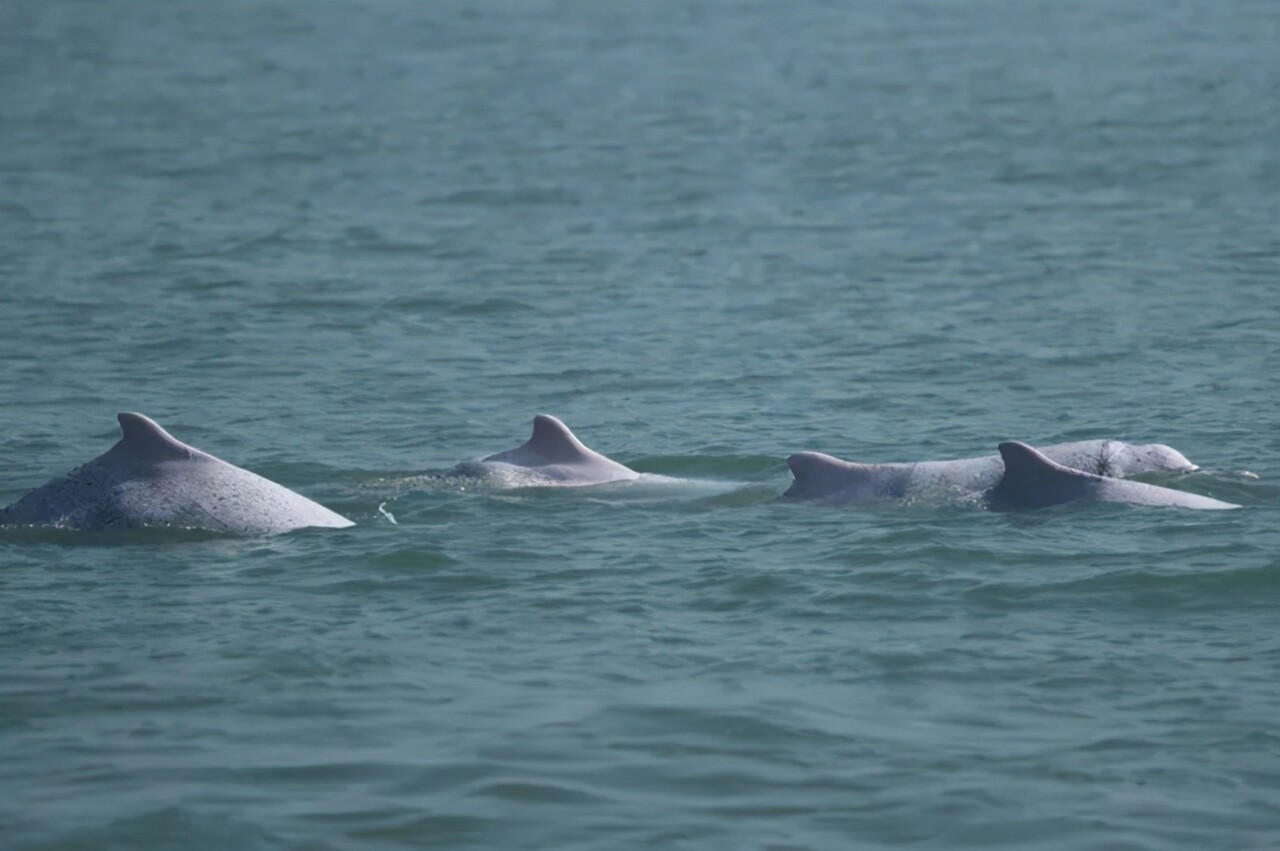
column 1032, row 480
column 144, row 437
column 553, row 441
column 810, row 465
column 818, row 475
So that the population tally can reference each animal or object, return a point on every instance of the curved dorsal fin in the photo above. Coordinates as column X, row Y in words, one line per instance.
column 1032, row 480
column 818, row 475
column 809, row 465
column 553, row 441
column 144, row 437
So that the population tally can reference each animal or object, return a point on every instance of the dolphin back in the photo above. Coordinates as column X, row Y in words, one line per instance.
column 149, row 478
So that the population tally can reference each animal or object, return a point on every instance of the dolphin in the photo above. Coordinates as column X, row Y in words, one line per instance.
column 825, row 478
column 1033, row 480
column 556, row 457
column 149, row 478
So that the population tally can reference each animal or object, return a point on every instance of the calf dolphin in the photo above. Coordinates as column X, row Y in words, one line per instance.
column 1032, row 480
column 556, row 457
column 828, row 479
column 149, row 478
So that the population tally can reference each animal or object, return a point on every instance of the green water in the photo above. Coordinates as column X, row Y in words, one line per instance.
column 349, row 245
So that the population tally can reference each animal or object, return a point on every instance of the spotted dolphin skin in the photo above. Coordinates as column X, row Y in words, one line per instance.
column 150, row 478
column 554, row 456
column 825, row 478
column 1033, row 480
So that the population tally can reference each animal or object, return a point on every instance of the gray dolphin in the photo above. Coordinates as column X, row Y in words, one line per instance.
column 556, row 457
column 1032, row 480
column 149, row 478
column 828, row 479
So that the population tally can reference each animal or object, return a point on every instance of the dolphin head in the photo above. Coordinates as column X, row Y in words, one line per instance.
column 1130, row 458
column 1170, row 458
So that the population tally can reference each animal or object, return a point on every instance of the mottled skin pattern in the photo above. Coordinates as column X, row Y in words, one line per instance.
column 1032, row 480
column 557, row 457
column 150, row 478
column 829, row 479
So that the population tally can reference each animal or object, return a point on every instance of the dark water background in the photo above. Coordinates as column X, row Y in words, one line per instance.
column 350, row 244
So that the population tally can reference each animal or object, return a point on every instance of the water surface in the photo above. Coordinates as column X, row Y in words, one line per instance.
column 350, row 244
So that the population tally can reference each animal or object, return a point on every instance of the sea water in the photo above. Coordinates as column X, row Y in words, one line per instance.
column 349, row 245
